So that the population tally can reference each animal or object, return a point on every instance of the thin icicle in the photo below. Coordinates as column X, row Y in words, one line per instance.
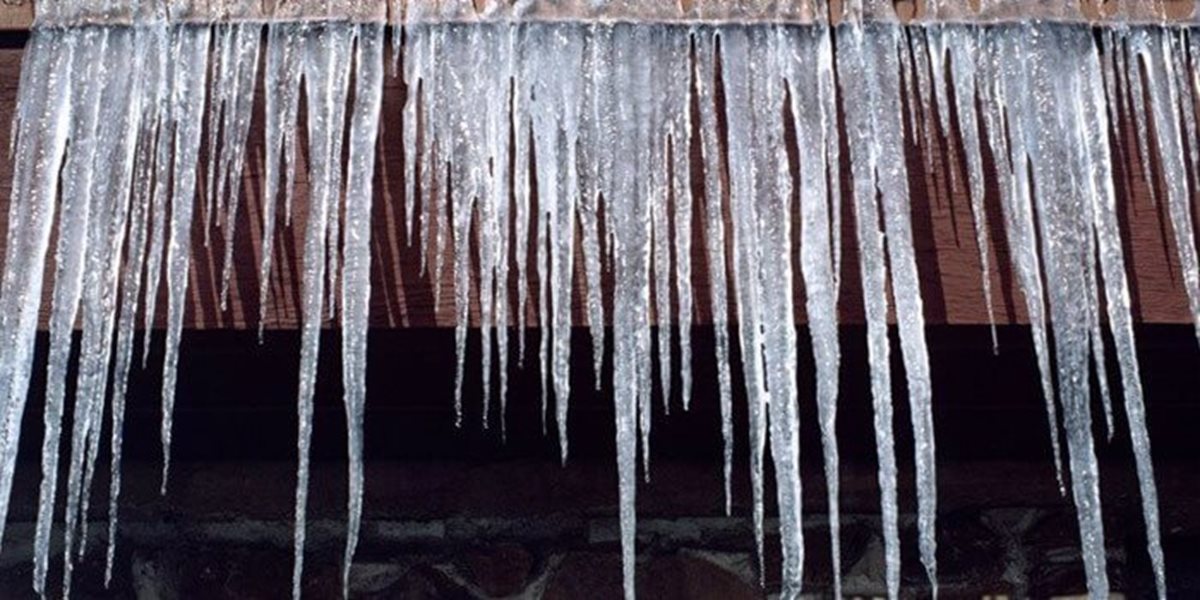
column 963, row 42
column 236, row 127
column 714, row 239
column 1153, row 46
column 595, row 134
column 189, row 94
column 1017, row 210
column 131, row 280
column 678, row 96
column 281, row 79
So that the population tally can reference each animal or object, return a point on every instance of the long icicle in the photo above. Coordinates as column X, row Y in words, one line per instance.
column 356, row 282
column 189, row 87
column 326, row 53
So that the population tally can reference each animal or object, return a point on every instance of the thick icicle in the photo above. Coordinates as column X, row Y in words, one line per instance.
column 356, row 282
column 1094, row 158
column 1065, row 230
column 326, row 58
column 111, row 153
column 79, row 174
column 773, row 201
column 856, row 65
column 556, row 57
column 816, row 254
column 45, row 50
column 892, row 181
column 735, row 60
column 631, row 296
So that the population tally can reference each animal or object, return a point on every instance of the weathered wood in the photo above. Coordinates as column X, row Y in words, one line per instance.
column 402, row 296
column 18, row 15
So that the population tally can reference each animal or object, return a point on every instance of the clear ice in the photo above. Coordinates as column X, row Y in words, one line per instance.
column 639, row 159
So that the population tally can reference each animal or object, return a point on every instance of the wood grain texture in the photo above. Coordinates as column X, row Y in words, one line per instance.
column 402, row 296
column 17, row 15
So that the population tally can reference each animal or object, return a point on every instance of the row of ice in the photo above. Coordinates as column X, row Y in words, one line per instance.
column 110, row 123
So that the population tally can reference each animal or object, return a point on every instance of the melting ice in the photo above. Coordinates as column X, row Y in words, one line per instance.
column 623, row 123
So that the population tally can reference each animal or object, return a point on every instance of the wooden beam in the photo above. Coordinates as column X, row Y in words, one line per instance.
column 18, row 15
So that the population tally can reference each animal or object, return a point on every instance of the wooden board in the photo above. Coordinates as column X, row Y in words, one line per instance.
column 402, row 296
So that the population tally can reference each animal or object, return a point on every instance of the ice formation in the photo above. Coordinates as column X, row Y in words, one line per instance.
column 112, row 120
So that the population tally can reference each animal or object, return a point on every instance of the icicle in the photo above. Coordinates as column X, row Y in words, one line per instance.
column 1153, row 46
column 735, row 57
column 857, row 67
column 714, row 238
column 356, row 284
column 1064, row 236
column 678, row 97
column 521, row 190
column 219, row 92
column 595, row 134
column 1093, row 128
column 68, row 282
column 326, row 59
column 189, row 93
column 118, row 128
column 150, row 44
column 78, row 177
column 631, row 297
column 493, row 212
column 168, row 109
column 660, row 234
column 816, row 256
column 237, row 126
column 556, row 56
column 892, row 180
column 39, row 152
column 282, row 80
column 963, row 42
column 1012, row 175
column 773, row 201
column 1129, row 65
column 500, row 130
column 107, row 135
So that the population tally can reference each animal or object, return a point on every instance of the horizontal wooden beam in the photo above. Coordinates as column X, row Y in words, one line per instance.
column 20, row 14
